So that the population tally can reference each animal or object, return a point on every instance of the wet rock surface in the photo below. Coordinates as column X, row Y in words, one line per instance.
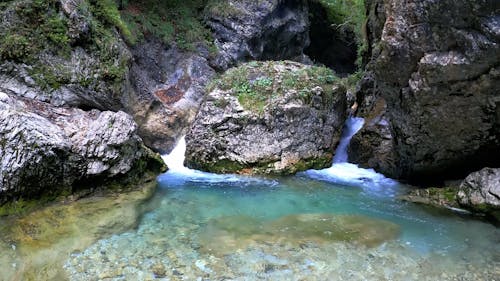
column 272, row 117
column 445, row 197
column 438, row 72
column 47, row 149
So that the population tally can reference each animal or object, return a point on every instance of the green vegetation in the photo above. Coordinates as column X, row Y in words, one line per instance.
column 176, row 21
column 106, row 11
column 221, row 9
column 39, row 27
column 349, row 14
column 257, row 84
column 14, row 47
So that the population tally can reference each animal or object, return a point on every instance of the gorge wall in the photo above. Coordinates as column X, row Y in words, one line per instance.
column 431, row 93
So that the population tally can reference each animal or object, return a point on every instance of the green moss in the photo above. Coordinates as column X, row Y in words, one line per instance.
column 227, row 166
column 172, row 21
column 14, row 47
column 106, row 11
column 448, row 194
column 224, row 166
column 258, row 84
column 56, row 30
column 314, row 163
column 22, row 206
column 350, row 14
column 18, row 207
column 38, row 25
column 47, row 77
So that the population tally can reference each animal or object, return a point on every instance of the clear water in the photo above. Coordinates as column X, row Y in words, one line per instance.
column 210, row 230
column 341, row 223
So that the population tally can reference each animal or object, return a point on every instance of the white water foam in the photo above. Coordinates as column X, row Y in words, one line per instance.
column 351, row 174
column 342, row 172
column 179, row 174
column 351, row 127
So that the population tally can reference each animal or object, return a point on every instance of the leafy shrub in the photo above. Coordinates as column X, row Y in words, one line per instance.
column 107, row 12
column 350, row 14
column 14, row 47
column 172, row 21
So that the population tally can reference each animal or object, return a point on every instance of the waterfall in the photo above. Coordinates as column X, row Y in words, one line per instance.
column 175, row 160
column 178, row 174
column 351, row 127
column 345, row 173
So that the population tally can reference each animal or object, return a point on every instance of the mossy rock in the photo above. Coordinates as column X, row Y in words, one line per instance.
column 259, row 84
column 442, row 197
column 227, row 166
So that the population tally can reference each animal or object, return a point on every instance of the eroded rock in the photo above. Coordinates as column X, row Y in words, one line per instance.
column 268, row 117
column 168, row 86
column 46, row 150
column 435, row 64
column 258, row 30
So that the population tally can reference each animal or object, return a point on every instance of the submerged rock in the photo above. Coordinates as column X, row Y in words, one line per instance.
column 435, row 65
column 40, row 242
column 445, row 197
column 268, row 117
column 237, row 232
column 46, row 150
column 480, row 191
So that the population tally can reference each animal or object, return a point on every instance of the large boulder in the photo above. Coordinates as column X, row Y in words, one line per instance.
column 480, row 191
column 258, row 30
column 435, row 67
column 268, row 117
column 47, row 150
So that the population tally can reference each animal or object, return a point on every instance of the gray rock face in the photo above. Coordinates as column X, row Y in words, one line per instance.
column 258, row 30
column 480, row 191
column 168, row 87
column 45, row 149
column 435, row 64
column 87, row 75
column 271, row 126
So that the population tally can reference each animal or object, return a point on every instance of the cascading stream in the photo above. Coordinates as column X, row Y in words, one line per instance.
column 351, row 127
column 342, row 172
column 175, row 160
column 178, row 174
